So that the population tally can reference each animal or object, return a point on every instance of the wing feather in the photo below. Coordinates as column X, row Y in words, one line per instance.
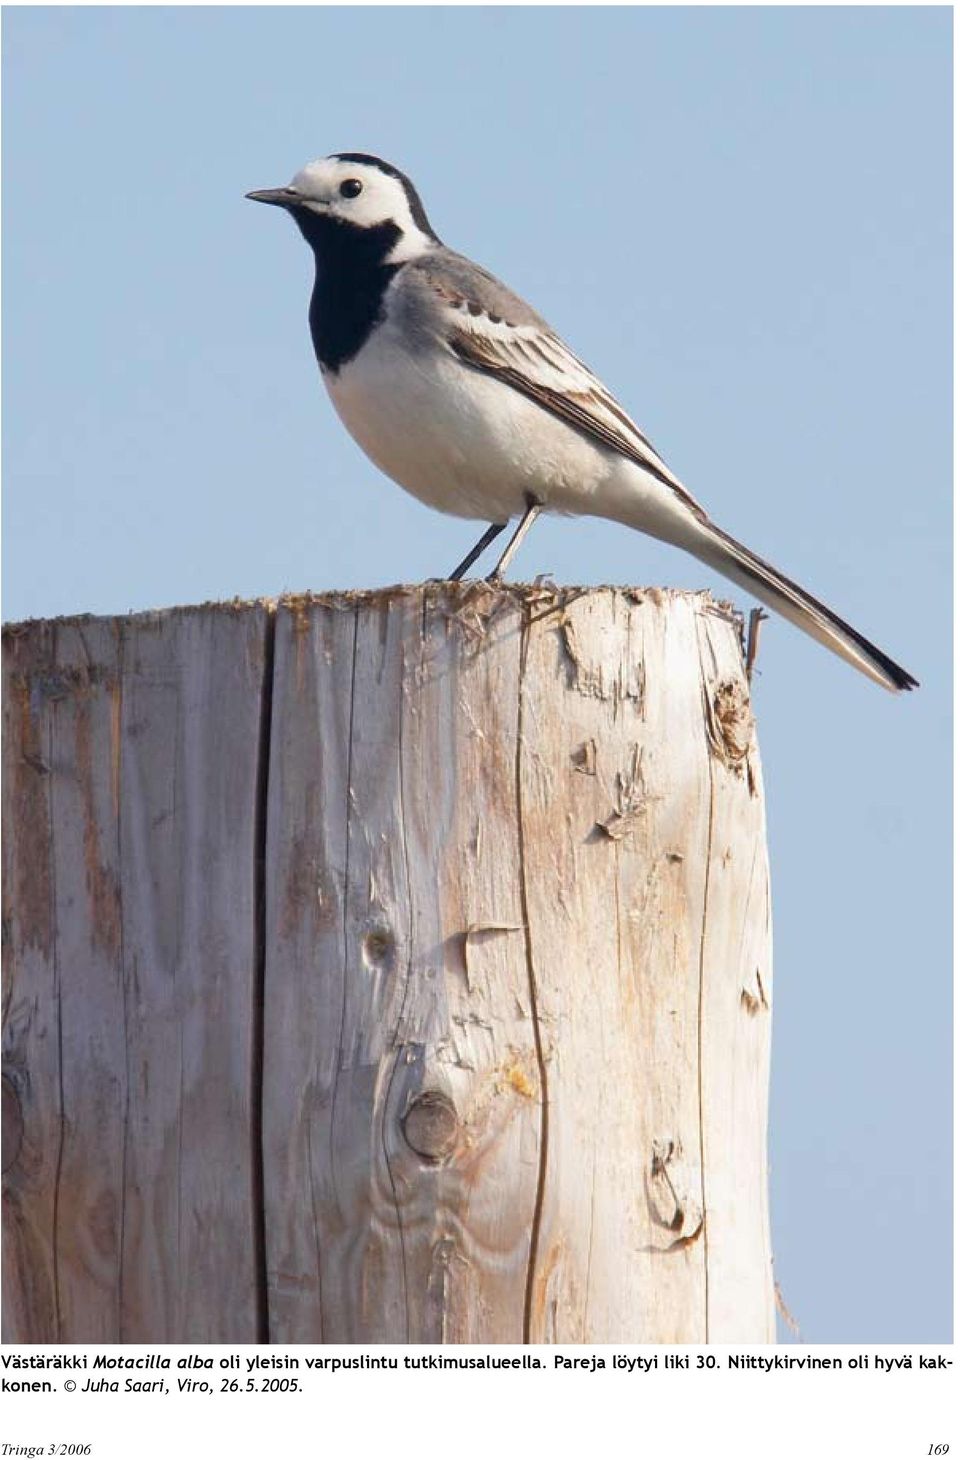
column 536, row 362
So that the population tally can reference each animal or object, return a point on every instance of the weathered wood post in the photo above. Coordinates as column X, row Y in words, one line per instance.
column 386, row 967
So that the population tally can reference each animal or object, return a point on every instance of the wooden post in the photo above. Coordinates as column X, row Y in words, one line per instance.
column 386, row 967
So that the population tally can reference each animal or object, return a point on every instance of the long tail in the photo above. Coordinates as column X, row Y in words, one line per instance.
column 743, row 567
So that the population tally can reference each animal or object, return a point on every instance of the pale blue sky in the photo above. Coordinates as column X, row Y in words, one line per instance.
column 741, row 218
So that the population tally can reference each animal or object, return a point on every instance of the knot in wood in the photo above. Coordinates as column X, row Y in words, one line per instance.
column 377, row 948
column 430, row 1125
column 730, row 723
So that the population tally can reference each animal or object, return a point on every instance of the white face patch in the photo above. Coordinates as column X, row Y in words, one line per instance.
column 329, row 188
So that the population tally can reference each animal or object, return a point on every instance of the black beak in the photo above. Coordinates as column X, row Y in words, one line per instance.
column 279, row 197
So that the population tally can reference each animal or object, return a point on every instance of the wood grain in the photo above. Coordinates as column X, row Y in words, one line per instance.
column 130, row 816
column 386, row 967
column 517, row 891
column 395, row 975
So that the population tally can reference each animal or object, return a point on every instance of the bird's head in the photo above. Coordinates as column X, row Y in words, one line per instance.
column 353, row 193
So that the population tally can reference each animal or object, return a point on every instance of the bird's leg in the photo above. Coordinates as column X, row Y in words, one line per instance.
column 526, row 522
column 494, row 530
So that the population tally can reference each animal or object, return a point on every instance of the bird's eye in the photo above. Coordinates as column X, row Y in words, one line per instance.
column 351, row 187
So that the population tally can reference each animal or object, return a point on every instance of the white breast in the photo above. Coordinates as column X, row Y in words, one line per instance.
column 457, row 439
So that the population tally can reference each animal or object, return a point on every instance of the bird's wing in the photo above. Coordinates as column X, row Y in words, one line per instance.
column 528, row 356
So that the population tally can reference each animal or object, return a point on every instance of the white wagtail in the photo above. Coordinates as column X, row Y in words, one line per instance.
column 460, row 392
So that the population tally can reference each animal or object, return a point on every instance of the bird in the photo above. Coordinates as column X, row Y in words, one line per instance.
column 463, row 394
